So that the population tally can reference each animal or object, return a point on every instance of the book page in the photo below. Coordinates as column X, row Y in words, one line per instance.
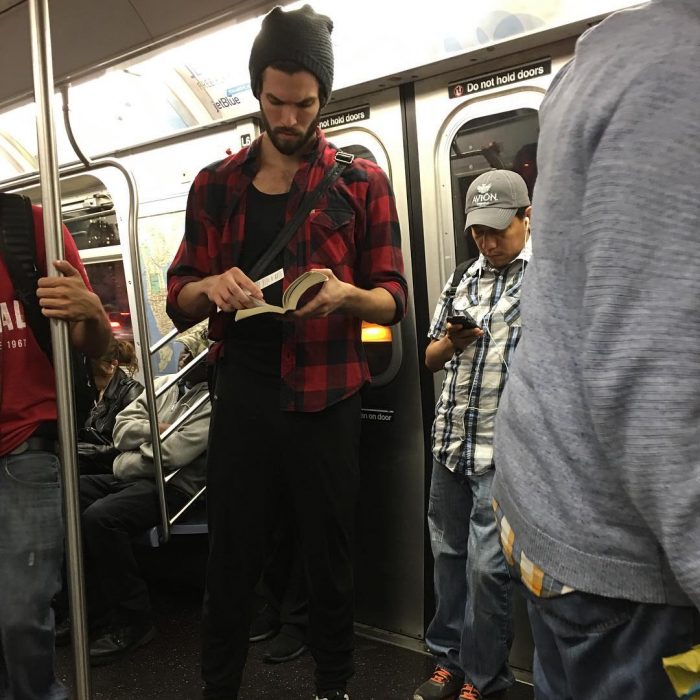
column 262, row 308
column 300, row 286
column 290, row 298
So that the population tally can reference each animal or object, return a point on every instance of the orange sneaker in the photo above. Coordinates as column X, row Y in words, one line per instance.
column 469, row 692
column 442, row 685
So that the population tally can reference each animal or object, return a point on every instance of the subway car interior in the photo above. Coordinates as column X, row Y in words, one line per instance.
column 147, row 92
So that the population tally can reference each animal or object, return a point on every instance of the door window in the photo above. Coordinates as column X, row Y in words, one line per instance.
column 507, row 140
column 109, row 283
column 91, row 220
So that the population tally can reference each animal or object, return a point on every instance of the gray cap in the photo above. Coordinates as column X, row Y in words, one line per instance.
column 494, row 197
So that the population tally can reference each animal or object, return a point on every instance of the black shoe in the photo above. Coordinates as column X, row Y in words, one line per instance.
column 62, row 631
column 116, row 642
column 333, row 695
column 284, row 647
column 264, row 626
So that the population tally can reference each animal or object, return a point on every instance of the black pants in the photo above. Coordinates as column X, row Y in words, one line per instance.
column 261, row 459
column 283, row 584
column 114, row 511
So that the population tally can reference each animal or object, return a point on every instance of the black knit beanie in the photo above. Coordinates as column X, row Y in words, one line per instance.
column 302, row 36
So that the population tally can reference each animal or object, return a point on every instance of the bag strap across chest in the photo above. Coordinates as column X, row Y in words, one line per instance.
column 342, row 160
column 456, row 278
column 18, row 248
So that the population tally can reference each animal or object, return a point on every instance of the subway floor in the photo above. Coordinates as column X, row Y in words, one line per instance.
column 168, row 667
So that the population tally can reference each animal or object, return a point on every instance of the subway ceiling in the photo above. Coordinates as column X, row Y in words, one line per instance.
column 89, row 33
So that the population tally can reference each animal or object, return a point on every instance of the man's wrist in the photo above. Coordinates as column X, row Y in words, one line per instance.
column 99, row 313
column 350, row 299
column 206, row 285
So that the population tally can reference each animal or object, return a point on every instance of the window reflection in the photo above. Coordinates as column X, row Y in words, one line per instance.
column 140, row 106
column 108, row 282
column 18, row 143
column 91, row 220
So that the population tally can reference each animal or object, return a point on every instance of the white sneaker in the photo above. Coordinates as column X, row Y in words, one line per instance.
column 335, row 696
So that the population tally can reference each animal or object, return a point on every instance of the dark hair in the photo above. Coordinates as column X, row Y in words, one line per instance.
column 123, row 352
column 290, row 68
column 520, row 214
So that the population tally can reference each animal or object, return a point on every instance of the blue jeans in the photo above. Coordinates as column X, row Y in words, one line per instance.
column 472, row 629
column 592, row 648
column 31, row 551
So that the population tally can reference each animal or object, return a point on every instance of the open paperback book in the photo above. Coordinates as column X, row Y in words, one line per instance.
column 290, row 298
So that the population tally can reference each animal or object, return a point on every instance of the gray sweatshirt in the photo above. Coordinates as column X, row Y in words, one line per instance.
column 185, row 449
column 598, row 434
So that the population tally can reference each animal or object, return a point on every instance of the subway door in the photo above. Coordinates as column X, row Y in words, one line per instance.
column 390, row 534
column 476, row 128
column 94, row 209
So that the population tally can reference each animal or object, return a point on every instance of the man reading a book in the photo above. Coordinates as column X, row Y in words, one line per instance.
column 286, row 407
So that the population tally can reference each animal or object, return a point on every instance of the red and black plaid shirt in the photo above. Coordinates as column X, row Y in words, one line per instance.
column 353, row 230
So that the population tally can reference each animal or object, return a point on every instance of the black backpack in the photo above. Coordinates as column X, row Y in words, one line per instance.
column 456, row 278
column 18, row 249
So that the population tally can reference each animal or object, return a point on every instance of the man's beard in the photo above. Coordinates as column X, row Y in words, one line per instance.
column 290, row 146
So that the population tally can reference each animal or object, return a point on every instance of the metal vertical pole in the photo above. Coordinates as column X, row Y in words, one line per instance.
column 48, row 169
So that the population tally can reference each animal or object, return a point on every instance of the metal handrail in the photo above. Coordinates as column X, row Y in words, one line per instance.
column 187, row 505
column 163, row 341
column 175, row 378
column 85, row 165
column 42, row 67
column 182, row 418
column 86, row 217
column 140, row 306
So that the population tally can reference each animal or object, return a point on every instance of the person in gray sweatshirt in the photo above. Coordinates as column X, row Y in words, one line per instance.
column 597, row 441
column 119, row 506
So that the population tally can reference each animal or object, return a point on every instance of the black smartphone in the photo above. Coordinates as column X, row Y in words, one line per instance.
column 463, row 319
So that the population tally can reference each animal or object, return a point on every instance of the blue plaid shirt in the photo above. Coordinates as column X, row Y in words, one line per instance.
column 474, row 379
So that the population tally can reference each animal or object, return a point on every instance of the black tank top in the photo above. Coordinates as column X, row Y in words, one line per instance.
column 256, row 342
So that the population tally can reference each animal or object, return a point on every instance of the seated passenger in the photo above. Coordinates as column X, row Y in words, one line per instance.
column 116, row 389
column 118, row 506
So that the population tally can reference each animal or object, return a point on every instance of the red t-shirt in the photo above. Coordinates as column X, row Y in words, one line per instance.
column 28, row 386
